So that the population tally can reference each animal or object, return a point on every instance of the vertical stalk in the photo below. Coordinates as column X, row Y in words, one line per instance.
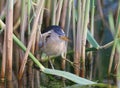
column 86, row 20
column 58, row 13
column 101, row 13
column 30, row 73
column 9, row 41
column 63, row 15
column 38, row 34
column 74, row 23
column 17, row 9
column 34, row 28
column 23, row 20
column 92, row 32
column 62, row 24
column 23, row 26
column 118, row 48
column 68, row 17
column 82, row 40
column 78, row 38
column 83, row 14
column 115, row 40
column 29, row 11
column 2, row 2
column 3, row 67
column 67, row 27
column 3, row 58
column 48, row 12
column 54, row 2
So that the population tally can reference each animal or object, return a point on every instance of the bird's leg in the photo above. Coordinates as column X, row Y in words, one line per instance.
column 51, row 62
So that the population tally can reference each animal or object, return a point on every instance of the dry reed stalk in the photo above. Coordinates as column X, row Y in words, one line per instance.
column 63, row 14
column 78, row 38
column 47, row 12
column 38, row 33
column 63, row 19
column 3, row 59
column 2, row 2
column 58, row 13
column 3, row 12
column 17, row 9
column 2, row 74
column 84, row 36
column 9, row 39
column 23, row 26
column 34, row 28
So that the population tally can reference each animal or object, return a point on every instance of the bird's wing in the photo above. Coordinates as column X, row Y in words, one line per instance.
column 43, row 38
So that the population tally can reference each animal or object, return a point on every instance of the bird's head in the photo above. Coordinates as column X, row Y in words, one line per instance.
column 59, row 31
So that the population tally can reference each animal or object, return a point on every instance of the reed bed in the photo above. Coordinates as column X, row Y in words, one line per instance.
column 91, row 57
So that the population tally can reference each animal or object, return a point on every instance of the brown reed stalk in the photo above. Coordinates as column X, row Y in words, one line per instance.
column 17, row 8
column 58, row 12
column 30, row 73
column 23, row 25
column 23, row 20
column 83, row 39
column 62, row 24
column 3, row 12
column 47, row 12
column 63, row 14
column 3, row 59
column 2, row 2
column 74, row 25
column 84, row 36
column 78, row 38
column 36, row 73
column 34, row 28
column 9, row 40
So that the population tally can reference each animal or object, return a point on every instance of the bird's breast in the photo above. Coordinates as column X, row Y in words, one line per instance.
column 54, row 46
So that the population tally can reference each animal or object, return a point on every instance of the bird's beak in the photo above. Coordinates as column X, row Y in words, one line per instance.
column 64, row 38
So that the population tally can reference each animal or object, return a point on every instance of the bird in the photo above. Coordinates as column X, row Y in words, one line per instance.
column 53, row 41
